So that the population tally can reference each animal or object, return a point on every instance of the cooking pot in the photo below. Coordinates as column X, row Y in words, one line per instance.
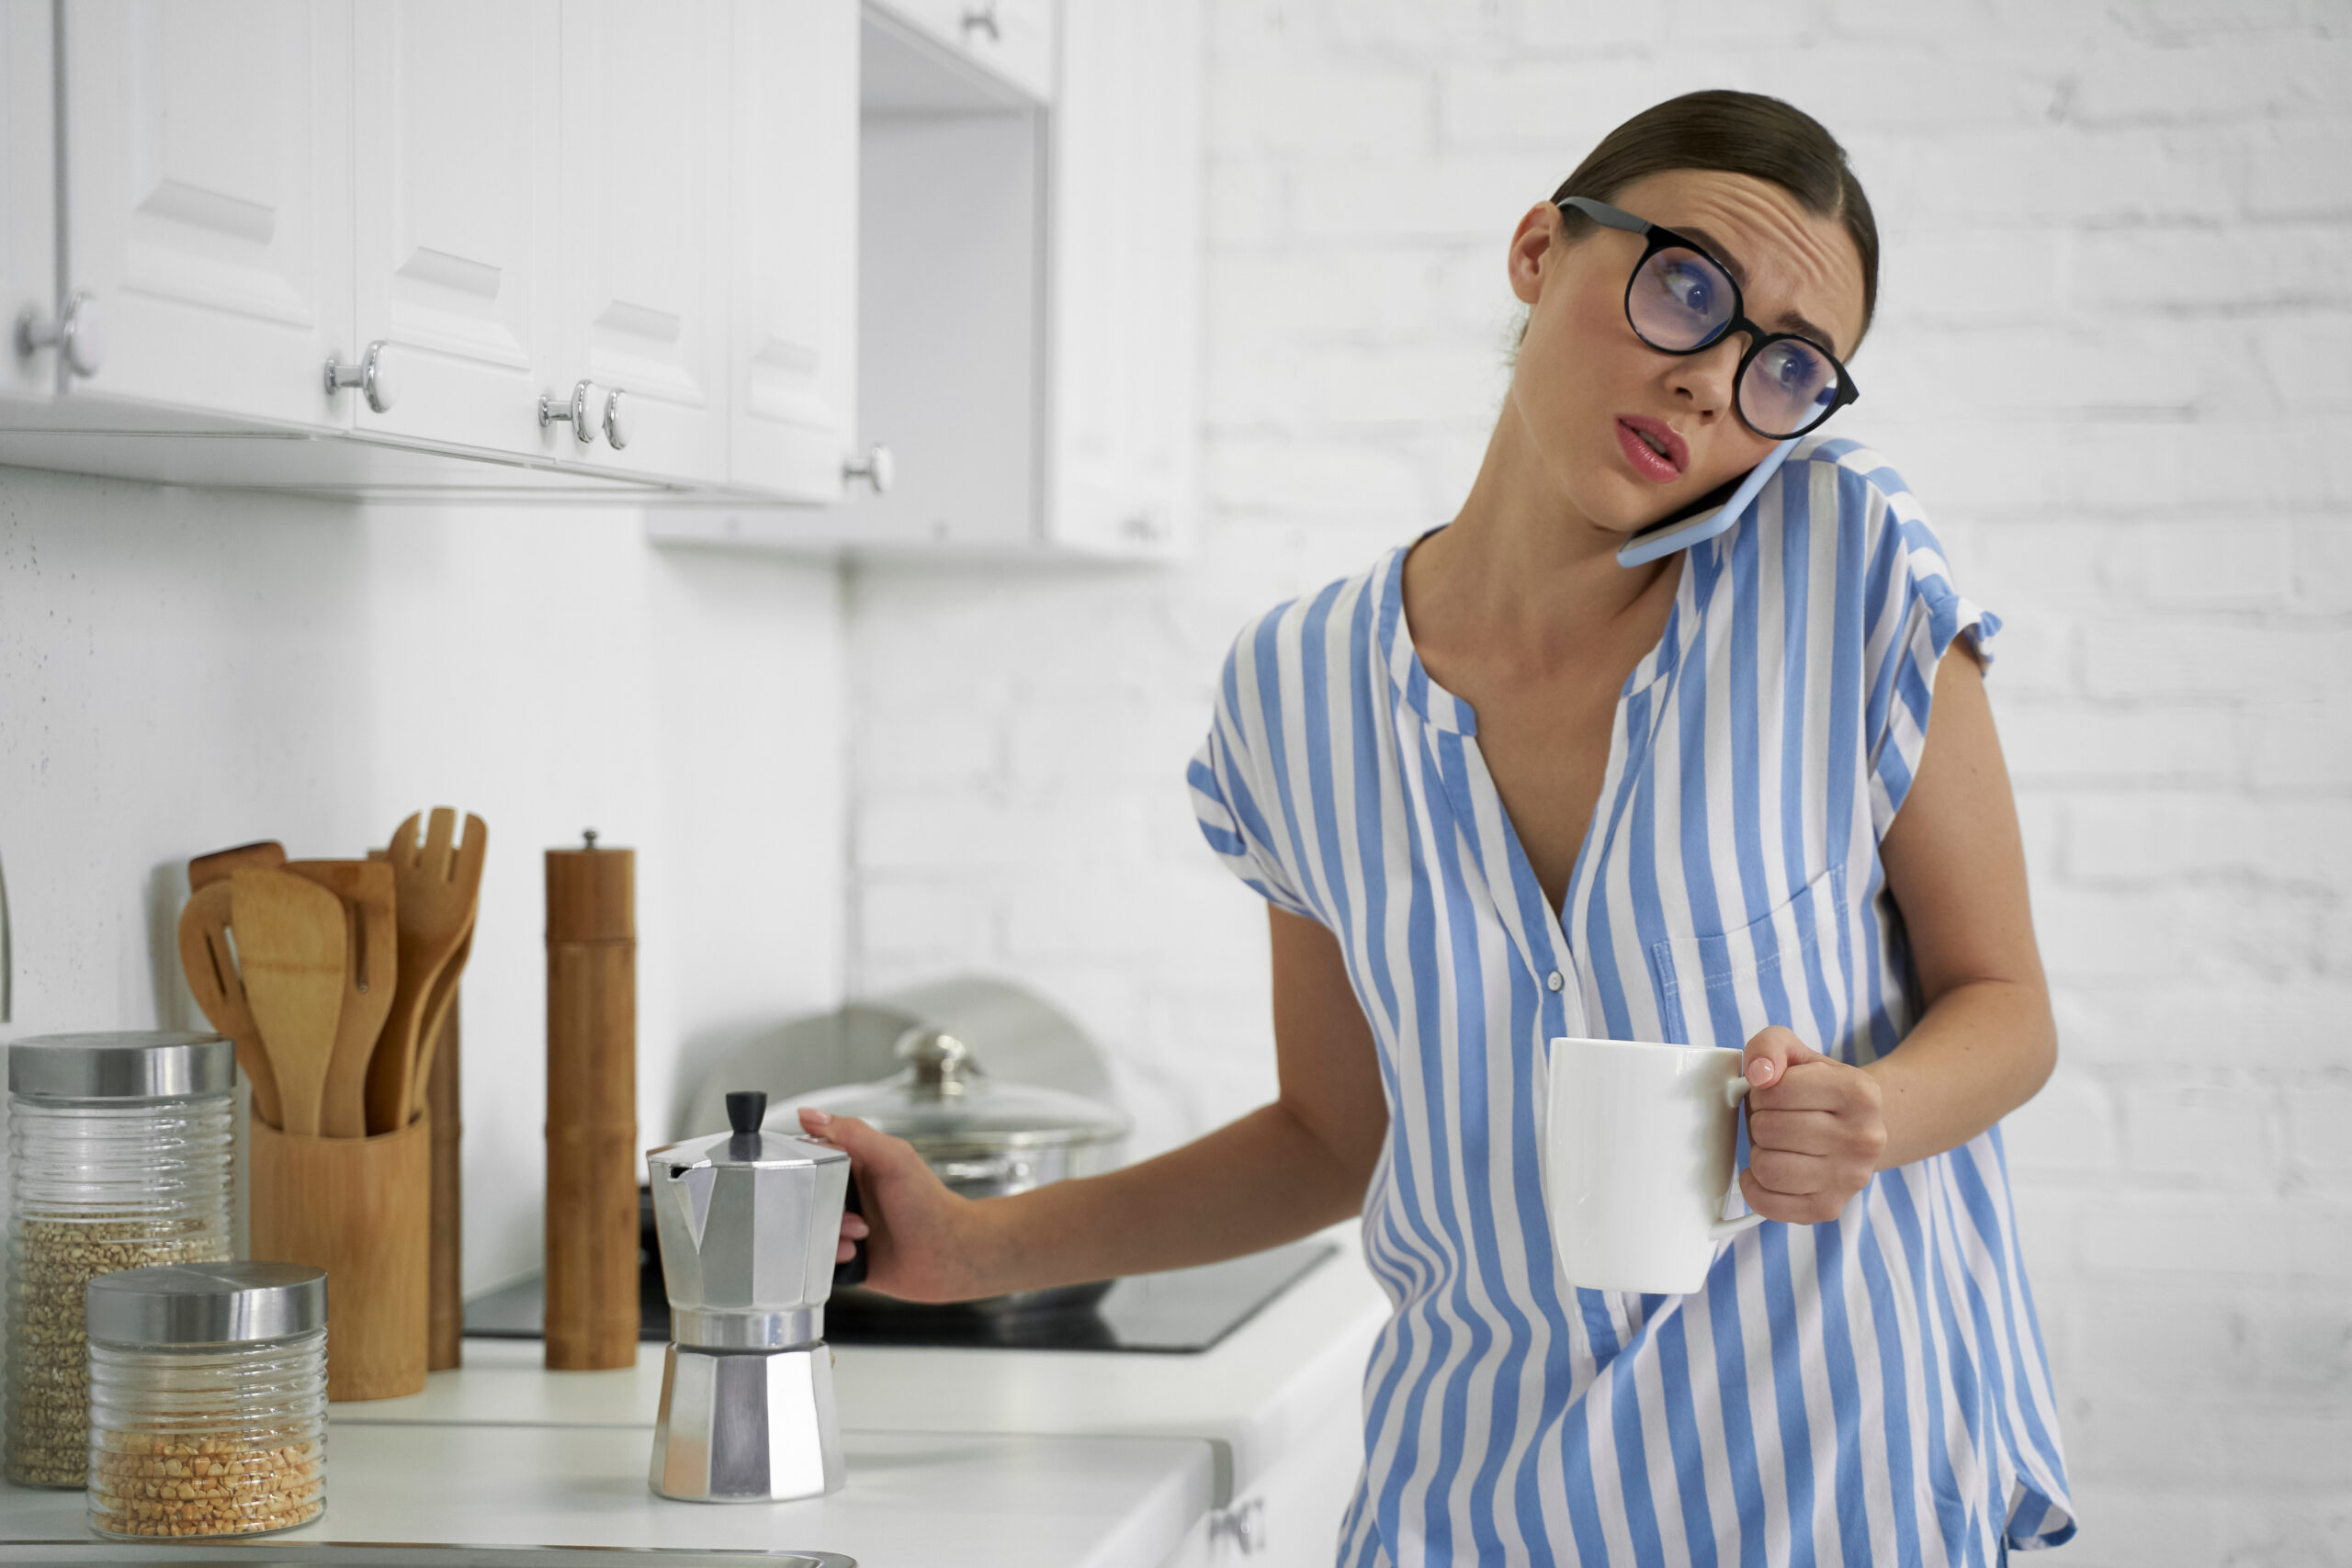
column 985, row 1138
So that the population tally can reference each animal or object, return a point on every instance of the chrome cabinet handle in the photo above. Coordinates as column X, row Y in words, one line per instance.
column 371, row 376
column 575, row 412
column 983, row 20
column 620, row 419
column 78, row 334
column 877, row 469
column 1243, row 1525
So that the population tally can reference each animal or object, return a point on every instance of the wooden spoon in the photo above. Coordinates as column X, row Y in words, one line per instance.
column 435, row 885
column 206, row 869
column 370, row 982
column 211, row 964
column 293, row 950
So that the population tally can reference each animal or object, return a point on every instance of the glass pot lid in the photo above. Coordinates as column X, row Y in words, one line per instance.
column 942, row 1101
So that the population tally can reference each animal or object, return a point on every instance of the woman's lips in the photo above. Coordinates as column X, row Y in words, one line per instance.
column 1646, row 463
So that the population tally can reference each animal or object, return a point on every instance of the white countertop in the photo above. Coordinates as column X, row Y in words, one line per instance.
column 1000, row 1501
column 1269, row 1382
column 1076, row 1459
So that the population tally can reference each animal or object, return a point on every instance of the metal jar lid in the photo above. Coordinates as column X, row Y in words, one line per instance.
column 122, row 1067
column 207, row 1304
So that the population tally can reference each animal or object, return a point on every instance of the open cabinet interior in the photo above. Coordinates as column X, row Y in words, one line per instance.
column 950, row 322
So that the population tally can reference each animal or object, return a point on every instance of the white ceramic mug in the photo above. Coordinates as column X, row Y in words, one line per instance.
column 1638, row 1144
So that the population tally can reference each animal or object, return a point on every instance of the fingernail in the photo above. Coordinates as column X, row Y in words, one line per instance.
column 812, row 1117
column 855, row 1227
column 1759, row 1071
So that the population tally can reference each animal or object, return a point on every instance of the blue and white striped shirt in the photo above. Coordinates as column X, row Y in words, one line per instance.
column 1871, row 1390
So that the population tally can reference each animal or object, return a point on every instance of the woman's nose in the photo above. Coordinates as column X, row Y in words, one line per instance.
column 1707, row 377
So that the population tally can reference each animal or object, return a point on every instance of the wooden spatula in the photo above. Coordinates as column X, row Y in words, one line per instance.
column 211, row 964
column 437, row 1009
column 206, row 869
column 435, row 885
column 370, row 983
column 293, row 950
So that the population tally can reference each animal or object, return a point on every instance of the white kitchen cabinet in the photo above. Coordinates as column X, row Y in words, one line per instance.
column 1126, row 201
column 643, row 273
column 951, row 237
column 208, row 201
column 456, row 161
column 1027, row 297
column 28, row 193
column 1013, row 40
column 792, row 345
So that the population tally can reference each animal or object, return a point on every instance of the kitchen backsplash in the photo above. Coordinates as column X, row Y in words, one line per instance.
column 181, row 670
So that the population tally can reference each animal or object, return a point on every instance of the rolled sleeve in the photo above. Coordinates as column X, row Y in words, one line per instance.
column 1921, row 614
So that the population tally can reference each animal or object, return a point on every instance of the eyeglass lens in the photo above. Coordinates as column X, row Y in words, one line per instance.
column 1681, row 301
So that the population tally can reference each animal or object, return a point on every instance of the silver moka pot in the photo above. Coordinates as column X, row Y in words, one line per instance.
column 748, row 1223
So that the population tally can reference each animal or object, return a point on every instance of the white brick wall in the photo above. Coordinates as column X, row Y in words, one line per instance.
column 2114, row 356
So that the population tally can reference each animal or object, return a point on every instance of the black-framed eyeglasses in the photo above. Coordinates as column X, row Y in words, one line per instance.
column 1681, row 300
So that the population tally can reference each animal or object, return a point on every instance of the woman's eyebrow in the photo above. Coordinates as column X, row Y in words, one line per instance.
column 1788, row 321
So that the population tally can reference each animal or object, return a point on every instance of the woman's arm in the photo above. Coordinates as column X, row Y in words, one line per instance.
column 1986, row 1042
column 1955, row 864
column 1281, row 1172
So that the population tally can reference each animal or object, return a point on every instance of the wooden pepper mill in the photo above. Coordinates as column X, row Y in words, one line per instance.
column 592, row 1226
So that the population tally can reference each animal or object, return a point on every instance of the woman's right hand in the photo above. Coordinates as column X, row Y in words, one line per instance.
column 922, row 1241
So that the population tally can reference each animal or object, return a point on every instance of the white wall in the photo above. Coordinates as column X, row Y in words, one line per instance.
column 2114, row 356
column 184, row 671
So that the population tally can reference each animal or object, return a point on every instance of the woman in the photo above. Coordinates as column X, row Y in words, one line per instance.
column 1500, row 789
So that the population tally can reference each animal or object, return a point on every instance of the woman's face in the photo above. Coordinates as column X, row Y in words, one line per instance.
column 1582, row 375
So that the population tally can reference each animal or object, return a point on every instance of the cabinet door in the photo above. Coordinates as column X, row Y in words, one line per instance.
column 951, row 245
column 207, row 200
column 793, row 313
column 1125, row 177
column 458, row 163
column 1013, row 40
column 28, row 192
column 643, row 263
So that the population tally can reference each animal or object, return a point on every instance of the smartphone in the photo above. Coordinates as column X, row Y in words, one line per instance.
column 1705, row 517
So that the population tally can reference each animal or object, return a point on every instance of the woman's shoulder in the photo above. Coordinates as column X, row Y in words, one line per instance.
column 1866, row 537
column 1862, row 482
column 1855, row 509
column 1319, row 629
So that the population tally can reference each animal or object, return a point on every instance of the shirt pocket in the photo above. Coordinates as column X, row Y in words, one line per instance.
column 1790, row 968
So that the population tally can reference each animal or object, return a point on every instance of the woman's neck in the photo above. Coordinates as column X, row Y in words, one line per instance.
column 1521, row 575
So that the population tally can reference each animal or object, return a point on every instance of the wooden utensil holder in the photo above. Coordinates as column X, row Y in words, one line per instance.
column 360, row 1209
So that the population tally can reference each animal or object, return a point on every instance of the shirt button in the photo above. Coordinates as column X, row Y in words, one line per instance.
column 1553, row 980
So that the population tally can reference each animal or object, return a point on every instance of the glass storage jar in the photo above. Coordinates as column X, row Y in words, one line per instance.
column 119, row 1157
column 208, row 1399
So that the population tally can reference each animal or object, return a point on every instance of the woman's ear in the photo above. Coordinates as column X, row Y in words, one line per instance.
column 1536, row 246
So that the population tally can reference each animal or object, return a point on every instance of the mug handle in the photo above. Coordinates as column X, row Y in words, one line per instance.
column 1724, row 1230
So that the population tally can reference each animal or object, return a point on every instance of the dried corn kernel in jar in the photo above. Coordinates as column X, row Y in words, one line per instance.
column 208, row 1400
column 119, row 1157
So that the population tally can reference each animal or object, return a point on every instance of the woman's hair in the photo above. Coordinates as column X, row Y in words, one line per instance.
column 1740, row 133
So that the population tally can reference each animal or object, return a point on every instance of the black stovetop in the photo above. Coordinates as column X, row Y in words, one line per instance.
column 1181, row 1311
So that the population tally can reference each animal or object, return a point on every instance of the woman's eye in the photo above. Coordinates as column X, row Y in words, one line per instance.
column 1791, row 367
column 1692, row 289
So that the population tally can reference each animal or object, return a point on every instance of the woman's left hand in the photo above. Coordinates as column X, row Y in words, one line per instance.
column 1815, row 1130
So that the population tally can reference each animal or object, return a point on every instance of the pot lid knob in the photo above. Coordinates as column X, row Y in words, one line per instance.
column 940, row 1060
column 746, row 1108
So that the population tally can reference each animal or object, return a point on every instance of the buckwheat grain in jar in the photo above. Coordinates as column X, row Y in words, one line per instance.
column 208, row 1400
column 119, row 1157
